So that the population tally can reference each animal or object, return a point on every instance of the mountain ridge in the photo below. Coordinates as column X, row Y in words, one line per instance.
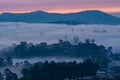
column 117, row 14
column 84, row 17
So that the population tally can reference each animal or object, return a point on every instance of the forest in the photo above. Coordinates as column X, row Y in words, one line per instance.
column 53, row 71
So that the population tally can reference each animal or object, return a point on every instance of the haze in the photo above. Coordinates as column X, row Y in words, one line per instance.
column 103, row 34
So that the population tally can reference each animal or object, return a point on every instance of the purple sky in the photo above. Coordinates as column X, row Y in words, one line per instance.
column 59, row 6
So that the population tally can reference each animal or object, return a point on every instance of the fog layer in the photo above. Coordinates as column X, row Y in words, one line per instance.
column 103, row 34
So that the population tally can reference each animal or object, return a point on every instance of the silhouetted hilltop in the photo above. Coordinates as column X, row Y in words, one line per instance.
column 84, row 17
column 62, row 48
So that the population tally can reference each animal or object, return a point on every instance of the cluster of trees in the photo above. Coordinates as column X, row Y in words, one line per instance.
column 62, row 48
column 63, row 70
column 98, row 53
column 56, row 71
column 6, row 62
column 116, row 56
column 8, row 75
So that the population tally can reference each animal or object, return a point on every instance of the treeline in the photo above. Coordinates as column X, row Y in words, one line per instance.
column 63, row 70
column 55, row 71
column 62, row 48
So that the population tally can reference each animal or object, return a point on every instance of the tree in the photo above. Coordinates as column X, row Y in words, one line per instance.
column 10, row 75
column 87, row 41
column 76, row 40
column 26, row 75
column 2, row 62
column 1, row 76
column 9, row 61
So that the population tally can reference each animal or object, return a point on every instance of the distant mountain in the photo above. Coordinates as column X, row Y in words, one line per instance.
column 84, row 17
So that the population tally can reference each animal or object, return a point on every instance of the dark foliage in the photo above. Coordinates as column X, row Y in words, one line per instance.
column 60, row 71
column 6, row 62
column 62, row 48
column 10, row 75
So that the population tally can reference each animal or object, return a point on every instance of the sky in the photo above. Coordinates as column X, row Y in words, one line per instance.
column 59, row 6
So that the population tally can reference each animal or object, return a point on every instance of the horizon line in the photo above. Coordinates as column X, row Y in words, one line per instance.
column 22, row 12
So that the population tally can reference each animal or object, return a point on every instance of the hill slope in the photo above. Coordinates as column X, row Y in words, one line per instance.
column 85, row 17
column 117, row 14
